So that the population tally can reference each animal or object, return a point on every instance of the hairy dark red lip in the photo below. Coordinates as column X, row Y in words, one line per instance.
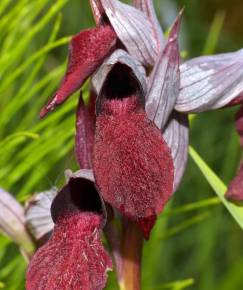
column 74, row 257
column 132, row 164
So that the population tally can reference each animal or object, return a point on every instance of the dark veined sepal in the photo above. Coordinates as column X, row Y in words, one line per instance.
column 147, row 7
column 164, row 81
column 210, row 82
column 176, row 135
column 133, row 29
column 37, row 215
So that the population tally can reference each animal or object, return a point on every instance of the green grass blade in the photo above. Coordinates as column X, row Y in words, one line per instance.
column 177, row 285
column 34, row 57
column 189, row 222
column 191, row 206
column 214, row 33
column 218, row 186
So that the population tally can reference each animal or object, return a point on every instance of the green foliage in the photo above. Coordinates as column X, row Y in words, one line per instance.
column 30, row 150
column 194, row 237
column 218, row 186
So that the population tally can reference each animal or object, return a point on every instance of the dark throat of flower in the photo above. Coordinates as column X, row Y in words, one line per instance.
column 71, row 199
column 121, row 92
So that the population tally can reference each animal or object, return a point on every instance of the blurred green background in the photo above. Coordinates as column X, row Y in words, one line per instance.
column 201, row 248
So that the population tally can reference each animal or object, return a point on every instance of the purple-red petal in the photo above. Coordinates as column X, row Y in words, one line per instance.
column 164, row 82
column 87, row 50
column 85, row 128
column 235, row 189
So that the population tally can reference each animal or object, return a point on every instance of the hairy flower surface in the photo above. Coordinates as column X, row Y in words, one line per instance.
column 74, row 257
column 132, row 163
column 170, row 92
column 133, row 134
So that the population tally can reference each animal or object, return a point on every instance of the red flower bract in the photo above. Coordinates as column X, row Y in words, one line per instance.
column 132, row 164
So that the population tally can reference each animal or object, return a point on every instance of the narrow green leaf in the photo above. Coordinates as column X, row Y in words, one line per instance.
column 184, row 225
column 177, row 285
column 34, row 57
column 11, row 56
column 17, row 135
column 3, row 5
column 191, row 206
column 218, row 186
column 214, row 33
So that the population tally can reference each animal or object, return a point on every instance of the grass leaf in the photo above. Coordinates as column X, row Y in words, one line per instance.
column 218, row 186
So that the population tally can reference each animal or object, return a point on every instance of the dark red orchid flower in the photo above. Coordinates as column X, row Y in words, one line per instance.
column 74, row 257
column 132, row 163
column 133, row 133
column 148, row 185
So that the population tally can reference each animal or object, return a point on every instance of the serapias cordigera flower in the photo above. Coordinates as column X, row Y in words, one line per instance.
column 74, row 257
column 134, row 132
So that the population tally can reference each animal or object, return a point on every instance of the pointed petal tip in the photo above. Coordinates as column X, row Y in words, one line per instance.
column 49, row 107
column 176, row 25
column 164, row 82
column 146, row 225
column 87, row 50
column 97, row 10
column 43, row 113
column 176, row 135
